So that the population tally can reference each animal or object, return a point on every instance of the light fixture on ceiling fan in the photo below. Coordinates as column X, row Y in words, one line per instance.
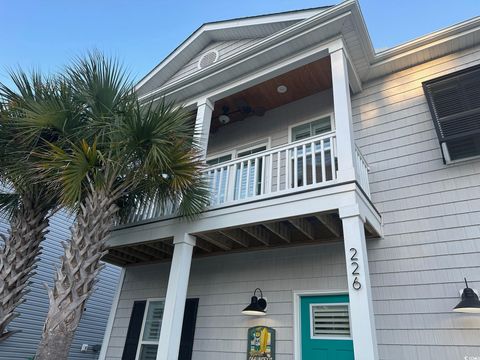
column 243, row 108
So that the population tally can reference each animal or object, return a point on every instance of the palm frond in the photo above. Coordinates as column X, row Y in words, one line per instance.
column 72, row 170
column 9, row 203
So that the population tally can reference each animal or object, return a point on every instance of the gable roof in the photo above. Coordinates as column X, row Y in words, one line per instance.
column 268, row 39
column 246, row 28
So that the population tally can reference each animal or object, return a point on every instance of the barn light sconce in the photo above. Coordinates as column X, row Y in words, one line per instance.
column 257, row 306
column 470, row 302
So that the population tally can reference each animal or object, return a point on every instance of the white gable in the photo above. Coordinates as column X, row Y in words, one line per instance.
column 226, row 37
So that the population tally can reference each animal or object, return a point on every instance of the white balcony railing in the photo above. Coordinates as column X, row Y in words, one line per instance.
column 361, row 169
column 300, row 165
column 278, row 170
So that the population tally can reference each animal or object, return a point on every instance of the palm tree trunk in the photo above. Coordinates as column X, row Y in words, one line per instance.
column 18, row 257
column 75, row 279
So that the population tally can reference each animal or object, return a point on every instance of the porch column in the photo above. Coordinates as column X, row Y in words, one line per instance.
column 171, row 330
column 343, row 115
column 202, row 124
column 361, row 307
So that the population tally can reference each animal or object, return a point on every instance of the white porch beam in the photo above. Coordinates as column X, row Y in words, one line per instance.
column 343, row 115
column 202, row 124
column 171, row 330
column 359, row 288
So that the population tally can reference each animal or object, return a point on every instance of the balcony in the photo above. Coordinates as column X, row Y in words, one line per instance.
column 280, row 171
column 273, row 180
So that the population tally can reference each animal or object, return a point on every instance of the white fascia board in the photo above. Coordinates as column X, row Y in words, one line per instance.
column 429, row 40
column 260, row 20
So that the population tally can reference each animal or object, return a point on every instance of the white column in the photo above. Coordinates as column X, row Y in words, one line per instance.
column 202, row 124
column 171, row 331
column 361, row 307
column 343, row 115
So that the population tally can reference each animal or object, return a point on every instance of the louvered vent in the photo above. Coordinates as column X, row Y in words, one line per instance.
column 207, row 59
column 454, row 102
column 330, row 320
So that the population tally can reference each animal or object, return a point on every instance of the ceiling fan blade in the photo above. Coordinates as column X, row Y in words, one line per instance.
column 243, row 106
column 259, row 111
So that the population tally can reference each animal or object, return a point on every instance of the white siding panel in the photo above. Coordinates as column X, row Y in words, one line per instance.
column 431, row 215
column 225, row 284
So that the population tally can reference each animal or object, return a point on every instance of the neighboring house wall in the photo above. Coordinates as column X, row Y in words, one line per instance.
column 225, row 284
column 23, row 345
column 274, row 125
column 431, row 213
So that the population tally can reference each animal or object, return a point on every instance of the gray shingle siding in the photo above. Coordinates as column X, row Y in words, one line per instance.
column 431, row 214
column 33, row 311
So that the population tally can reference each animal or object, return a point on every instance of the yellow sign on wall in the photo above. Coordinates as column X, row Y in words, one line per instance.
column 261, row 343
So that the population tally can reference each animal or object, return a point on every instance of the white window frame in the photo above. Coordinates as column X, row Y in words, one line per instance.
column 329, row 337
column 219, row 155
column 140, row 339
column 252, row 145
column 309, row 120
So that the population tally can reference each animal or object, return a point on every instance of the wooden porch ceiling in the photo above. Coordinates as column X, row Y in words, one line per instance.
column 301, row 82
column 317, row 228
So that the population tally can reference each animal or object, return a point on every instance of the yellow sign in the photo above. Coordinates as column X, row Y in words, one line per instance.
column 261, row 343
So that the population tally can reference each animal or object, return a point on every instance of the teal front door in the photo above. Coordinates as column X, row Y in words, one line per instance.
column 325, row 328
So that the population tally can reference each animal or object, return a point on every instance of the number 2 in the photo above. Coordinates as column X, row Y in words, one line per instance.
column 355, row 272
column 354, row 256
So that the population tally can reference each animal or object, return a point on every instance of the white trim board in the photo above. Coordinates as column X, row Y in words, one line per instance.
column 111, row 316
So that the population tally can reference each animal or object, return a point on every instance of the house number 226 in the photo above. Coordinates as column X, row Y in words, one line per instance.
column 356, row 284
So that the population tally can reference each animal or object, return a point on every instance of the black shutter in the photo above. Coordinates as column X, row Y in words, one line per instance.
column 188, row 330
column 454, row 102
column 134, row 329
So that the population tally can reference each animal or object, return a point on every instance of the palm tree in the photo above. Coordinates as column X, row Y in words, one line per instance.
column 123, row 155
column 26, row 203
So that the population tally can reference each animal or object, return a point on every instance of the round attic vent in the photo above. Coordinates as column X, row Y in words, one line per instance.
column 207, row 59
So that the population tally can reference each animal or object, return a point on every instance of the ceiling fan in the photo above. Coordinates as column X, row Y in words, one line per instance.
column 243, row 108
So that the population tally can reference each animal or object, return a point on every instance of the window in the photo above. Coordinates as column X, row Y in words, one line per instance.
column 454, row 102
column 305, row 131
column 219, row 159
column 330, row 320
column 242, row 189
column 312, row 128
column 218, row 178
column 150, row 335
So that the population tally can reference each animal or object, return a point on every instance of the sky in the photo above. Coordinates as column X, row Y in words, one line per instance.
column 47, row 34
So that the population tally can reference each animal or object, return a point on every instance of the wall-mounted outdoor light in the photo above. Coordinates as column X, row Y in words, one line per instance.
column 257, row 306
column 470, row 302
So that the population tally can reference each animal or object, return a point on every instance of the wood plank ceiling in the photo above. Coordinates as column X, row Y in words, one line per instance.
column 301, row 82
column 313, row 229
